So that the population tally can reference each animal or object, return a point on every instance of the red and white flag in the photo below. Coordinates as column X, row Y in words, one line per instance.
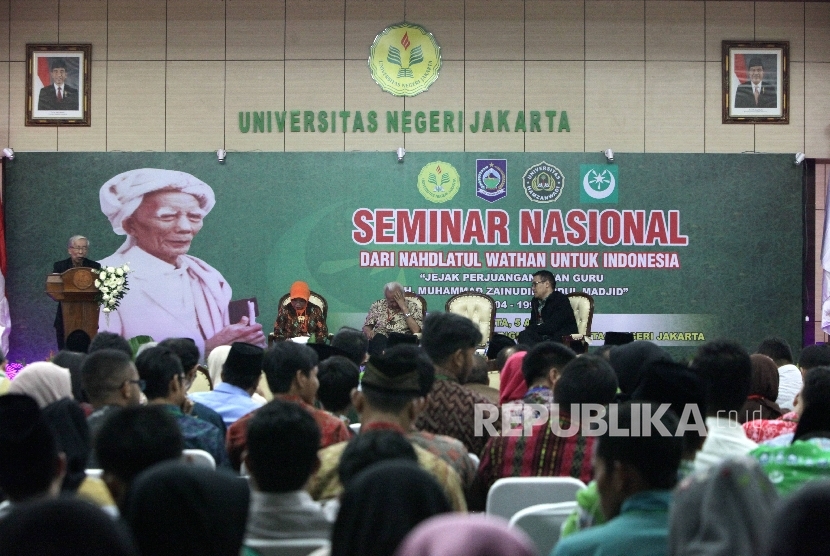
column 5, row 317
column 825, row 264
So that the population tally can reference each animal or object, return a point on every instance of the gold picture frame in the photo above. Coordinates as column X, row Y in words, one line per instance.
column 58, row 84
column 756, row 82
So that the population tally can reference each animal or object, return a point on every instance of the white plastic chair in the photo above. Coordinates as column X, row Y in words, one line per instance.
column 511, row 494
column 198, row 457
column 286, row 547
column 543, row 523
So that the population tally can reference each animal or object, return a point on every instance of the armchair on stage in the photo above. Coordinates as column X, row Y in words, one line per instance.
column 479, row 308
column 583, row 307
column 75, row 290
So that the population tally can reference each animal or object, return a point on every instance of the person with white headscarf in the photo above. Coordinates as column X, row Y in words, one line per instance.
column 45, row 382
column 171, row 294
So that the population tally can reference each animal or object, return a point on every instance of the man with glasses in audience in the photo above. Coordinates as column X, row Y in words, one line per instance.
column 78, row 247
column 111, row 382
column 551, row 315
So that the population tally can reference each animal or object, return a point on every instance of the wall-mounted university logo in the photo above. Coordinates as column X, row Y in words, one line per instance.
column 438, row 182
column 404, row 59
column 491, row 179
column 543, row 183
column 599, row 183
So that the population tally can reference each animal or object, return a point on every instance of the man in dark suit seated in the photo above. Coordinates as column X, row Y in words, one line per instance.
column 58, row 95
column 551, row 315
column 78, row 247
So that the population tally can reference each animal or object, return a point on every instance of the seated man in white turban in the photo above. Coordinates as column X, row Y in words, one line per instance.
column 171, row 294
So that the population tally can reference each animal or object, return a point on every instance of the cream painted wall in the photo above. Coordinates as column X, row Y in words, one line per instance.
column 634, row 75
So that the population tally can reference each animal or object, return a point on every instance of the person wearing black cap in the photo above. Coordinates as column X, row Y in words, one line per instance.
column 756, row 93
column 240, row 377
column 30, row 464
column 391, row 396
column 58, row 95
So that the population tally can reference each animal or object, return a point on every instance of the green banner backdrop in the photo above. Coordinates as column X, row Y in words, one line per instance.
column 679, row 248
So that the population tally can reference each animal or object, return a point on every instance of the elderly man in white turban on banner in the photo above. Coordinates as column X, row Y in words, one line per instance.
column 171, row 294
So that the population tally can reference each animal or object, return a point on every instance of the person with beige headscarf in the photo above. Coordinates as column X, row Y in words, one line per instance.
column 43, row 381
column 171, row 294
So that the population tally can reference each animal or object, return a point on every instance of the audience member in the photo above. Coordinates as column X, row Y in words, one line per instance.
column 634, row 475
column 792, row 459
column 393, row 387
column 629, row 360
column 789, row 376
column 63, row 527
column 817, row 355
column 291, row 371
column 283, row 440
column 479, row 380
column 723, row 511
column 178, row 509
column 551, row 451
column 72, row 361
column 110, row 381
column 381, row 505
column 30, row 464
column 372, row 447
column 541, row 368
column 215, row 361
column 188, row 353
column 763, row 391
column 300, row 317
column 450, row 340
column 240, row 377
column 77, row 342
column 164, row 379
column 352, row 343
column 473, row 535
column 44, row 382
column 131, row 440
column 512, row 385
column 71, row 431
column 110, row 340
column 726, row 369
column 801, row 523
column 338, row 376
column 505, row 354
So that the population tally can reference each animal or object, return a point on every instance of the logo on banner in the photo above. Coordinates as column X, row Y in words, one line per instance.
column 438, row 182
column 491, row 179
column 543, row 183
column 404, row 59
column 599, row 183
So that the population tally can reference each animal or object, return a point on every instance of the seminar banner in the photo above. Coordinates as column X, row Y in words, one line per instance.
column 677, row 248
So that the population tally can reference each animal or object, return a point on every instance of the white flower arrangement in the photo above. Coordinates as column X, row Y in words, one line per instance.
column 112, row 285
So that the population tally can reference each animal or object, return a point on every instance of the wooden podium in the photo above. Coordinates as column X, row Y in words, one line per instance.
column 75, row 290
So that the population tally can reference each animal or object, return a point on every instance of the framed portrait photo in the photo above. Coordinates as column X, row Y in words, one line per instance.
column 756, row 82
column 57, row 84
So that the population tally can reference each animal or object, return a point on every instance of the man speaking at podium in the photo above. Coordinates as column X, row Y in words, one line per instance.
column 78, row 247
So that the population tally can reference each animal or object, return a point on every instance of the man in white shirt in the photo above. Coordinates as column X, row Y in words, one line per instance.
column 726, row 369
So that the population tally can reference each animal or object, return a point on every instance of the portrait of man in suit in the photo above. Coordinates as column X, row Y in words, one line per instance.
column 59, row 95
column 757, row 92
column 171, row 294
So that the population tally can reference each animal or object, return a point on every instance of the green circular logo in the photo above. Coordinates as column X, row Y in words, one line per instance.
column 405, row 59
column 438, row 182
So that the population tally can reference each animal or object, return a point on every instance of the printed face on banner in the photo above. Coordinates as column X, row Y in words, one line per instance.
column 165, row 224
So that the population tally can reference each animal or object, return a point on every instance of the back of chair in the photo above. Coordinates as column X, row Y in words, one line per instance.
column 412, row 296
column 509, row 495
column 286, row 547
column 479, row 308
column 314, row 298
column 543, row 523
column 583, row 306
column 198, row 457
